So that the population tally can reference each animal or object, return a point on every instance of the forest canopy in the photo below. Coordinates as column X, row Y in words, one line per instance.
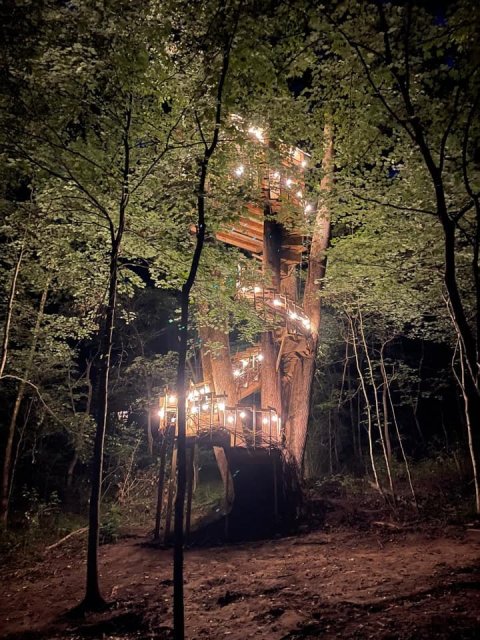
column 132, row 136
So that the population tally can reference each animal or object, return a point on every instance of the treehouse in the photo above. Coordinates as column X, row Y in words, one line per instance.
column 237, row 408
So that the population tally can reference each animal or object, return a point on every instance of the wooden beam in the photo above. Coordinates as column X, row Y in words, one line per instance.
column 238, row 239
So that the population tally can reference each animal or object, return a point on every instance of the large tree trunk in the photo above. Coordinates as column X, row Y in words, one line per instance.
column 299, row 385
column 7, row 456
column 216, row 363
column 271, row 396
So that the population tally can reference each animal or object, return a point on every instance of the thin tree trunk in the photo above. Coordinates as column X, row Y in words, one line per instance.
column 19, row 444
column 7, row 455
column 93, row 599
column 168, row 436
column 386, row 424
column 88, row 408
column 149, row 430
column 178, row 597
column 416, row 401
column 11, row 300
column 386, row 386
column 367, row 406
column 377, row 407
column 471, row 447
column 330, row 460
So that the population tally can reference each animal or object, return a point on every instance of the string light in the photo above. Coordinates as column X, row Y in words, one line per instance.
column 195, row 394
column 258, row 133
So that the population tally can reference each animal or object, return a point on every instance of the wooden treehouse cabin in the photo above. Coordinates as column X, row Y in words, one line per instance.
column 238, row 408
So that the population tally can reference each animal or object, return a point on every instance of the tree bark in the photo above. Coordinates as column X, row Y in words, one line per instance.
column 216, row 362
column 270, row 382
column 301, row 383
column 93, row 599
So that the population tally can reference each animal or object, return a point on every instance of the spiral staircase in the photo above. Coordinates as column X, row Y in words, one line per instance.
column 245, row 436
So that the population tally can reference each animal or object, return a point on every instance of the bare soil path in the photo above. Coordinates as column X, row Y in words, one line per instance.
column 341, row 584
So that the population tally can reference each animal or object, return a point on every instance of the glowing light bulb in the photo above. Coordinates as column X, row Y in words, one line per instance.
column 293, row 315
column 304, row 163
column 244, row 363
column 190, row 396
column 260, row 357
column 243, row 415
column 257, row 289
column 161, row 413
column 172, row 420
column 239, row 171
column 308, row 208
column 289, row 182
column 299, row 194
column 306, row 323
column 230, row 419
column 172, row 399
column 276, row 175
column 221, row 406
column 206, row 389
column 277, row 302
column 237, row 373
column 195, row 409
column 205, row 406
column 258, row 133
column 274, row 418
column 195, row 393
column 265, row 421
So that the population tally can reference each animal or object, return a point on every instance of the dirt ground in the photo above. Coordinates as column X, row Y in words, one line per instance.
column 339, row 583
